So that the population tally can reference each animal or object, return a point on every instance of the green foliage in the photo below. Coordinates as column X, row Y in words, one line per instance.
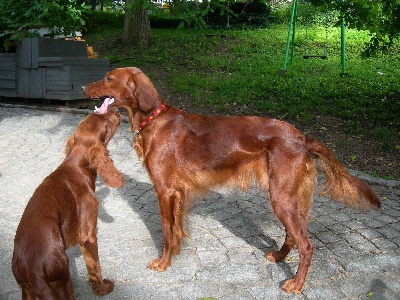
column 96, row 20
column 60, row 16
column 141, row 4
column 217, row 12
column 190, row 14
column 241, row 71
column 385, row 136
column 380, row 17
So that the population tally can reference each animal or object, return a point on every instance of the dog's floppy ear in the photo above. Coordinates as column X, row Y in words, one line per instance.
column 102, row 163
column 70, row 142
column 145, row 93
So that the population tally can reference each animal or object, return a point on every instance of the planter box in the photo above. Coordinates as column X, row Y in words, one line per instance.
column 49, row 69
column 8, row 74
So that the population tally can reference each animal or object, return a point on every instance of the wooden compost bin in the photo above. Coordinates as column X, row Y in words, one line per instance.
column 49, row 69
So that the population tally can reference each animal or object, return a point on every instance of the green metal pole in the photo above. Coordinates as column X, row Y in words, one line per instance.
column 343, row 44
column 294, row 31
column 289, row 34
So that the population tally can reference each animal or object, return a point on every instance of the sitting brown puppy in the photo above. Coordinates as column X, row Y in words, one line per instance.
column 63, row 213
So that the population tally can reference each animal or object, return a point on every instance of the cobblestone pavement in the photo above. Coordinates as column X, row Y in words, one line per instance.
column 356, row 255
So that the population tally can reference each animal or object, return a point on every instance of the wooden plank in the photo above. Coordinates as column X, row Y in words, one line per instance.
column 24, row 53
column 8, row 84
column 9, row 75
column 8, row 57
column 67, row 61
column 23, row 83
column 36, row 83
column 59, row 47
column 8, row 66
column 8, row 92
column 34, row 53
column 65, row 83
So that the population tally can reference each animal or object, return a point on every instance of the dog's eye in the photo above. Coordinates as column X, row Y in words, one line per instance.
column 108, row 78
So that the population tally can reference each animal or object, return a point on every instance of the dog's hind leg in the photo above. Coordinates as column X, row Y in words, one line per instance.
column 63, row 289
column 26, row 293
column 292, row 183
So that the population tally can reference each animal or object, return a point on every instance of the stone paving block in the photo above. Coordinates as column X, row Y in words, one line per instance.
column 362, row 287
column 324, row 292
column 327, row 237
column 389, row 232
column 356, row 252
column 270, row 292
column 384, row 244
column 231, row 273
column 342, row 249
column 369, row 233
column 373, row 223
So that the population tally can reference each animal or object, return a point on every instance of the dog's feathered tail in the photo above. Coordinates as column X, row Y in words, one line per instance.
column 339, row 184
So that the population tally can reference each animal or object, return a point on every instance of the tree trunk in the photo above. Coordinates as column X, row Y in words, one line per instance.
column 137, row 30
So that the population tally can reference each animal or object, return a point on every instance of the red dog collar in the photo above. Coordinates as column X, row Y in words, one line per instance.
column 150, row 117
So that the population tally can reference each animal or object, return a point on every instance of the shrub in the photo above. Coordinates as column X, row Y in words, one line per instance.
column 98, row 19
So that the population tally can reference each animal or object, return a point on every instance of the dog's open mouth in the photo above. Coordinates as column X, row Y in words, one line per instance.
column 108, row 101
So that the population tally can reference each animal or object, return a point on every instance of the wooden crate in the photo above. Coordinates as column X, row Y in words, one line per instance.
column 64, row 81
column 50, row 69
column 8, row 75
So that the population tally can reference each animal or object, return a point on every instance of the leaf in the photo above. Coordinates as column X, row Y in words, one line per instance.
column 370, row 294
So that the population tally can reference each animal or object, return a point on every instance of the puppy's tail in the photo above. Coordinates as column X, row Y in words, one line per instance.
column 339, row 184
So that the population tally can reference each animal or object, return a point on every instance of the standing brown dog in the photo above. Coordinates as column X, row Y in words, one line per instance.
column 186, row 155
column 63, row 212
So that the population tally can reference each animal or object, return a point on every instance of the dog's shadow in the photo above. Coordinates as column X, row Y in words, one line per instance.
column 248, row 216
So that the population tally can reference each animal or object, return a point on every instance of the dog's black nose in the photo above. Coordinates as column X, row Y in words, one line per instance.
column 83, row 88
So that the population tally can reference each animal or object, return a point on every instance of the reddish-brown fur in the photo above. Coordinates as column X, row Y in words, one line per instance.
column 186, row 155
column 62, row 213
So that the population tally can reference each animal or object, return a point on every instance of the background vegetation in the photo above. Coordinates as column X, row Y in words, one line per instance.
column 234, row 70
column 244, row 65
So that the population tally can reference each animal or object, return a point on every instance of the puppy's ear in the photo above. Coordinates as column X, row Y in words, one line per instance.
column 70, row 142
column 104, row 166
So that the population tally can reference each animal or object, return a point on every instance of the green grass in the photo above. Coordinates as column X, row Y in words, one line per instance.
column 242, row 70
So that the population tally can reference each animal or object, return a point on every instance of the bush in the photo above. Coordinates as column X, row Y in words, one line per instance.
column 240, row 13
column 255, row 7
column 98, row 19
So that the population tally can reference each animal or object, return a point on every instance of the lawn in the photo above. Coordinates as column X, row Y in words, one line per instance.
column 236, row 71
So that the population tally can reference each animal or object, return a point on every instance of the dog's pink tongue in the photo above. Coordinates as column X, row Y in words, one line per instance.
column 104, row 107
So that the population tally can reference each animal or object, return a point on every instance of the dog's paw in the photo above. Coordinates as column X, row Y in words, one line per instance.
column 158, row 265
column 292, row 286
column 104, row 288
column 274, row 256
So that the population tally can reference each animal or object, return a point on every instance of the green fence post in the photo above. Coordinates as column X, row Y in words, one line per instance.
column 292, row 15
column 343, row 45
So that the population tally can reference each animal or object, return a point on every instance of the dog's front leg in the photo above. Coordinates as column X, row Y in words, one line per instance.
column 90, row 254
column 171, row 213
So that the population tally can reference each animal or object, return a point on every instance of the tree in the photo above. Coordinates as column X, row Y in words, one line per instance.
column 137, row 30
column 19, row 16
column 380, row 17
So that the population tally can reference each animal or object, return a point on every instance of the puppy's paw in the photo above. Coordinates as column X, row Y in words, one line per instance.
column 104, row 288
